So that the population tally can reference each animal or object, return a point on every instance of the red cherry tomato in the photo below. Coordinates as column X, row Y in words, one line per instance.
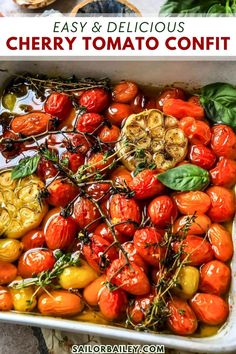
column 86, row 214
column 72, row 160
column 89, row 122
column 140, row 308
column 133, row 255
column 99, row 191
column 130, row 278
column 58, row 105
column 180, row 109
column 33, row 239
column 146, row 185
column 99, row 162
column 109, row 134
column 124, row 92
column 104, row 231
column 117, row 112
column 224, row 174
column 10, row 149
column 138, row 103
column 221, row 242
column 61, row 193
column 162, row 211
column 222, row 204
column 210, row 309
column 197, row 131
column 150, row 103
column 94, row 100
column 201, row 156
column 121, row 176
column 215, row 278
column 172, row 92
column 46, row 169
column 112, row 304
column 35, row 261
column 61, row 232
column 77, row 143
column 223, row 141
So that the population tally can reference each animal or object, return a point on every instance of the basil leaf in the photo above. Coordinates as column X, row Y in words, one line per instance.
column 185, row 178
column 184, row 7
column 25, row 167
column 219, row 102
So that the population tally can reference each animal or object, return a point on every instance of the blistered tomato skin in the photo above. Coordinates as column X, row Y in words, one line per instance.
column 98, row 191
column 224, row 173
column 140, row 307
column 33, row 239
column 35, row 261
column 182, row 320
column 180, row 109
column 117, row 112
column 201, row 156
column 124, row 92
column 89, row 122
column 192, row 202
column 146, row 185
column 215, row 278
column 121, row 176
column 200, row 225
column 61, row 193
column 86, row 213
column 221, row 242
column 197, row 131
column 77, row 143
column 31, row 123
column 223, row 141
column 210, row 309
column 99, row 162
column 222, row 204
column 133, row 255
column 162, row 211
column 112, row 304
column 72, row 160
column 46, row 169
column 8, row 272
column 109, row 134
column 104, row 231
column 94, row 100
column 173, row 92
column 58, row 105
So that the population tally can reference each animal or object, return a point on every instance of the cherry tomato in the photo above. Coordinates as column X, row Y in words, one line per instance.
column 72, row 160
column 223, row 141
column 221, row 242
column 139, row 309
column 33, row 239
column 201, row 156
column 224, row 174
column 9, row 148
column 32, row 123
column 199, row 227
column 162, row 211
column 6, row 302
column 173, row 92
column 94, row 100
column 192, row 202
column 46, row 169
column 121, row 176
column 61, row 193
column 182, row 320
column 150, row 103
column 104, row 231
column 215, row 278
column 180, row 109
column 58, row 105
column 109, row 134
column 89, row 122
column 99, row 191
column 8, row 272
column 92, row 291
column 147, row 242
column 125, row 211
column 197, row 131
column 77, row 143
column 222, row 204
column 117, row 112
column 130, row 278
column 112, row 304
column 61, row 232
column 146, row 185
column 210, row 309
column 197, row 250
column 99, row 162
column 138, row 103
column 124, row 92
column 133, row 255
column 35, row 261
column 86, row 214
column 195, row 99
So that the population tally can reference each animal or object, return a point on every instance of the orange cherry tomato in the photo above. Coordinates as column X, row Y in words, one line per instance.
column 180, row 109
column 162, row 211
column 197, row 131
column 202, row 156
column 89, row 122
column 139, row 309
column 130, row 278
column 223, row 141
column 126, row 212
column 32, row 123
column 210, row 309
column 91, row 292
column 112, row 304
column 146, row 185
column 133, row 255
column 200, row 225
column 215, row 278
column 35, row 261
column 59, row 105
column 8, row 272
column 117, row 112
column 99, row 162
column 72, row 160
column 192, row 202
column 33, row 239
column 99, row 191
column 121, row 176
column 147, row 242
column 224, row 174
column 86, row 214
column 173, row 92
column 94, row 100
column 222, row 204
column 182, row 320
column 61, row 193
column 109, row 134
column 221, row 242
column 124, row 91
column 6, row 302
column 104, row 231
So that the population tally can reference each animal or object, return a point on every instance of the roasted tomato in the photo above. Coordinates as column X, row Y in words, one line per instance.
column 99, row 162
column 162, row 211
column 224, row 174
column 117, row 112
column 210, row 309
column 133, row 255
column 223, row 141
column 109, row 134
column 72, row 160
column 6, row 302
column 126, row 212
column 138, row 103
column 182, row 320
column 99, row 191
column 46, row 169
column 89, row 122
column 61, row 232
column 196, row 250
column 77, row 143
column 172, row 92
column 197, row 131
column 9, row 147
column 93, row 252
column 8, row 272
column 222, row 204
column 121, row 176
column 33, row 239
column 215, row 278
column 124, row 92
column 130, row 278
column 180, row 109
column 139, row 309
column 221, row 242
column 61, row 193
column 200, row 225
column 31, row 123
column 202, row 156
column 86, row 214
column 94, row 100
column 146, row 185
column 35, row 261
column 147, row 242
column 112, row 304
column 104, row 231
column 92, row 291
column 58, row 105
column 189, row 203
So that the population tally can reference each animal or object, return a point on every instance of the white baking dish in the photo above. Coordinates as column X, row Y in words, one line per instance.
column 195, row 74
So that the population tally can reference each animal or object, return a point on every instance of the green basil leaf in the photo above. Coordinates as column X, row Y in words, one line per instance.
column 219, row 102
column 185, row 178
column 217, row 9
column 25, row 167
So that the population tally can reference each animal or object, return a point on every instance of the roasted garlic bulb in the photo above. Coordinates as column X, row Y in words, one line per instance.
column 34, row 4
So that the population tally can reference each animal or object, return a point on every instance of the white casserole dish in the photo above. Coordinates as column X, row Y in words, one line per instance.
column 194, row 74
